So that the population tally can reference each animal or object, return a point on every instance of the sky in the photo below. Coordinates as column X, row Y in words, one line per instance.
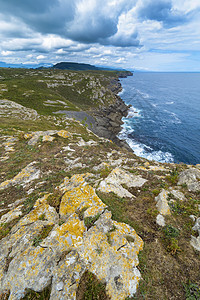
column 146, row 35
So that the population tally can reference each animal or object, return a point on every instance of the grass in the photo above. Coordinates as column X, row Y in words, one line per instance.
column 192, row 291
column 43, row 234
column 90, row 288
column 43, row 295
column 5, row 228
column 55, row 199
column 89, row 221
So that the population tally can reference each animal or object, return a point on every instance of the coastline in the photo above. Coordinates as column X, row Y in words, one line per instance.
column 106, row 122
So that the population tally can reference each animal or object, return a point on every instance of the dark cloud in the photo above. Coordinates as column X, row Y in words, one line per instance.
column 93, row 29
column 123, row 40
column 92, row 21
column 46, row 16
column 162, row 11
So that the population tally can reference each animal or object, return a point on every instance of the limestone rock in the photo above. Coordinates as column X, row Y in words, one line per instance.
column 162, row 203
column 195, row 242
column 108, row 249
column 177, row 194
column 15, row 110
column 64, row 133
column 29, row 173
column 191, row 178
column 160, row 220
column 113, row 183
column 34, row 136
column 11, row 215
column 80, row 197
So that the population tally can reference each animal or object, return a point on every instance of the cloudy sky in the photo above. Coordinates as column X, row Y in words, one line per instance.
column 157, row 35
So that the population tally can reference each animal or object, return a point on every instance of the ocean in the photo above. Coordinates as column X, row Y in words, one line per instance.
column 163, row 123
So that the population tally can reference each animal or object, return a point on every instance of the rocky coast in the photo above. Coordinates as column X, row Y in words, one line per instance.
column 80, row 216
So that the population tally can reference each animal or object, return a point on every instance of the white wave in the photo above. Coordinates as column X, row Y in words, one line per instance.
column 144, row 95
column 154, row 104
column 175, row 119
column 121, row 92
column 143, row 151
column 133, row 112
column 169, row 103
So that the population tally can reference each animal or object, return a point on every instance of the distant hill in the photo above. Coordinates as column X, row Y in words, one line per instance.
column 24, row 66
column 75, row 66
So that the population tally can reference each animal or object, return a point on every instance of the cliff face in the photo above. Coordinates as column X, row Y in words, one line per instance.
column 80, row 217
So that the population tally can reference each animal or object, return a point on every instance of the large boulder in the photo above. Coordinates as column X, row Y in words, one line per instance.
column 191, row 178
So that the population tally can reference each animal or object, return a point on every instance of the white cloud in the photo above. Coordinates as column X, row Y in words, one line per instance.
column 39, row 57
column 6, row 53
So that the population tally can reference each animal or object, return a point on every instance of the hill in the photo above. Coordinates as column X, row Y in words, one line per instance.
column 74, row 66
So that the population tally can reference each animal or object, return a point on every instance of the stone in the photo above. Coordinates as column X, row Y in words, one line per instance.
column 177, row 194
column 34, row 136
column 29, row 173
column 71, row 248
column 48, row 138
column 80, row 197
column 191, row 178
column 11, row 215
column 82, row 143
column 15, row 110
column 113, row 183
column 195, row 241
column 162, row 204
column 64, row 133
column 160, row 220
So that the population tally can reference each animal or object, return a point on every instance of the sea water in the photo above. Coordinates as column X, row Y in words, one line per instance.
column 163, row 123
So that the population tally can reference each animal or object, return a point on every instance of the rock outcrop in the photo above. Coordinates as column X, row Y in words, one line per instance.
column 109, row 121
column 31, row 260
column 115, row 181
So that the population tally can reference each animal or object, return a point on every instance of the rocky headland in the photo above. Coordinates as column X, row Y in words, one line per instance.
column 80, row 216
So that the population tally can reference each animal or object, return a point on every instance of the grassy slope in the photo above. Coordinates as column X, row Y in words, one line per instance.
column 168, row 263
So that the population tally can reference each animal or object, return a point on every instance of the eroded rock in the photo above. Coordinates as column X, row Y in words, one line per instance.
column 191, row 178
column 195, row 241
column 113, row 183
column 29, row 173
column 162, row 203
column 108, row 249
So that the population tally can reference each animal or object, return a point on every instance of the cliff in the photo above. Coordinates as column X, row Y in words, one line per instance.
column 81, row 217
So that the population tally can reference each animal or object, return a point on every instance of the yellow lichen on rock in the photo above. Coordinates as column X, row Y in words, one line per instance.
column 41, row 208
column 64, row 133
column 48, row 138
column 78, row 198
column 113, row 263
column 28, row 135
column 29, row 173
column 108, row 249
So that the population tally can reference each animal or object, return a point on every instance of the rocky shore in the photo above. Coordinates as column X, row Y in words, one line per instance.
column 109, row 120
